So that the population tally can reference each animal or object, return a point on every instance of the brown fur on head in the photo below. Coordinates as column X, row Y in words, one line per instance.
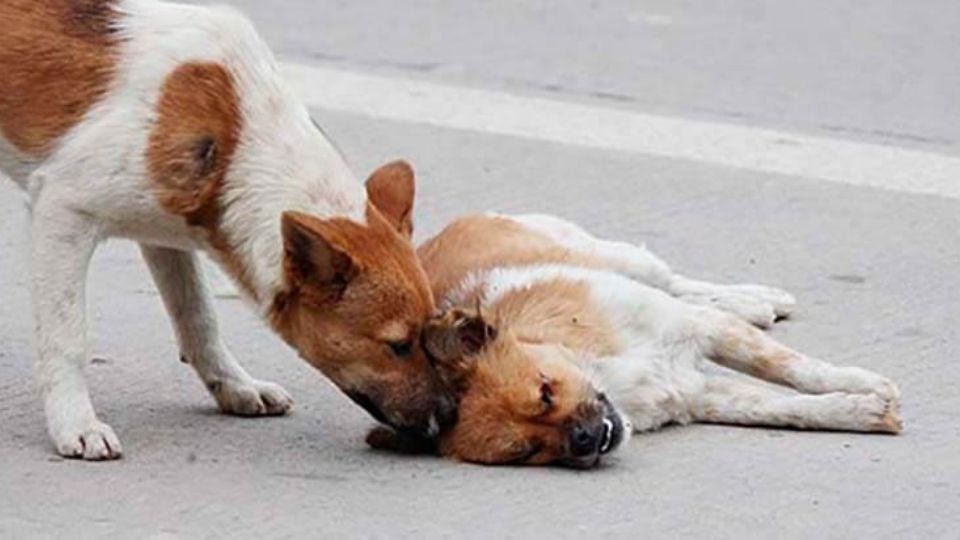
column 518, row 402
column 357, row 302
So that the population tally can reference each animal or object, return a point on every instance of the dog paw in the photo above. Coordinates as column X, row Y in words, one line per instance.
column 251, row 398
column 93, row 441
column 782, row 302
column 876, row 414
column 861, row 381
column 755, row 311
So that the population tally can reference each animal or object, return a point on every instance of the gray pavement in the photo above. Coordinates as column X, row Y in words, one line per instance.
column 875, row 273
column 879, row 71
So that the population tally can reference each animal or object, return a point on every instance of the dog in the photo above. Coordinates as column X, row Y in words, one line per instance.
column 170, row 125
column 558, row 344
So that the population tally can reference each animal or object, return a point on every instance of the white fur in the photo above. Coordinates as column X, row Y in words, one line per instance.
column 94, row 185
column 674, row 334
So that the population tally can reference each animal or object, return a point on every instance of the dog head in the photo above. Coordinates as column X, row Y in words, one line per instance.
column 356, row 305
column 518, row 403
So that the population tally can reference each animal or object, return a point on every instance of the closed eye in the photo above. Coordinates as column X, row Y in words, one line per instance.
column 546, row 396
column 401, row 349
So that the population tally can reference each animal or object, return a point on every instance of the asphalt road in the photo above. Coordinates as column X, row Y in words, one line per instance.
column 875, row 272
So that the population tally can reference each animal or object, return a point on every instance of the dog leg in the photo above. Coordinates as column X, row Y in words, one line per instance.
column 727, row 401
column 62, row 244
column 731, row 342
column 179, row 278
column 758, row 304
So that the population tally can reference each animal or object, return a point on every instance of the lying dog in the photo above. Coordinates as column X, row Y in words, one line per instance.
column 170, row 125
column 542, row 316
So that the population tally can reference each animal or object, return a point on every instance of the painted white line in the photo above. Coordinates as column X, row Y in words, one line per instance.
column 501, row 113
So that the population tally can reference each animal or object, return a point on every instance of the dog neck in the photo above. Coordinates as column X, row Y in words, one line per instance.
column 248, row 243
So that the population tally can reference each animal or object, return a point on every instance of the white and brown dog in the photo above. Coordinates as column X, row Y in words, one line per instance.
column 170, row 125
column 556, row 341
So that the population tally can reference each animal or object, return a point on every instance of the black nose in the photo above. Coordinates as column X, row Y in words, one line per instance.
column 585, row 440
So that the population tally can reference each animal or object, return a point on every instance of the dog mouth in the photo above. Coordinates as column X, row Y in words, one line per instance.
column 614, row 428
column 612, row 433
column 606, row 442
column 426, row 430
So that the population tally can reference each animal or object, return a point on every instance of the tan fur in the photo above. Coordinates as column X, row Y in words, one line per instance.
column 476, row 243
column 558, row 311
column 537, row 321
column 347, row 337
column 501, row 419
column 57, row 58
column 391, row 189
column 743, row 347
column 890, row 422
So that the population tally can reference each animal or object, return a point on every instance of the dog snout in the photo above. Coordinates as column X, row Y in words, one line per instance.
column 585, row 440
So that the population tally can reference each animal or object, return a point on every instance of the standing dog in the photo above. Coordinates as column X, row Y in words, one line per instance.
column 170, row 125
column 563, row 315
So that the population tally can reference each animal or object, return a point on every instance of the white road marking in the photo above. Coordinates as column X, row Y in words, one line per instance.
column 502, row 113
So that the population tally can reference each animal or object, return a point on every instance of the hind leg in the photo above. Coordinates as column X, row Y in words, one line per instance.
column 728, row 401
column 731, row 342
column 757, row 304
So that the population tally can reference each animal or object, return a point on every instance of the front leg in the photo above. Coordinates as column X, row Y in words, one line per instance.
column 179, row 278
column 757, row 304
column 62, row 244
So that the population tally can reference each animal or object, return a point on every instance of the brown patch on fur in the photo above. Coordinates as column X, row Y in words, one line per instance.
column 746, row 349
column 194, row 138
column 558, row 311
column 477, row 243
column 57, row 58
column 190, row 149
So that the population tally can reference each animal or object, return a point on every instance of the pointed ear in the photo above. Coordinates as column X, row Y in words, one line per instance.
column 391, row 189
column 310, row 257
column 454, row 339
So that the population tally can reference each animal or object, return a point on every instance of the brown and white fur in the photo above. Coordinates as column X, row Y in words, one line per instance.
column 170, row 125
column 561, row 310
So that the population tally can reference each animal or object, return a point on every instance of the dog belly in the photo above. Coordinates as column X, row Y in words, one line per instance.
column 649, row 384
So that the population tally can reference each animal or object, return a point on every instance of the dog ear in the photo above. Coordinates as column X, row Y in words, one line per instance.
column 312, row 257
column 391, row 189
column 454, row 340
